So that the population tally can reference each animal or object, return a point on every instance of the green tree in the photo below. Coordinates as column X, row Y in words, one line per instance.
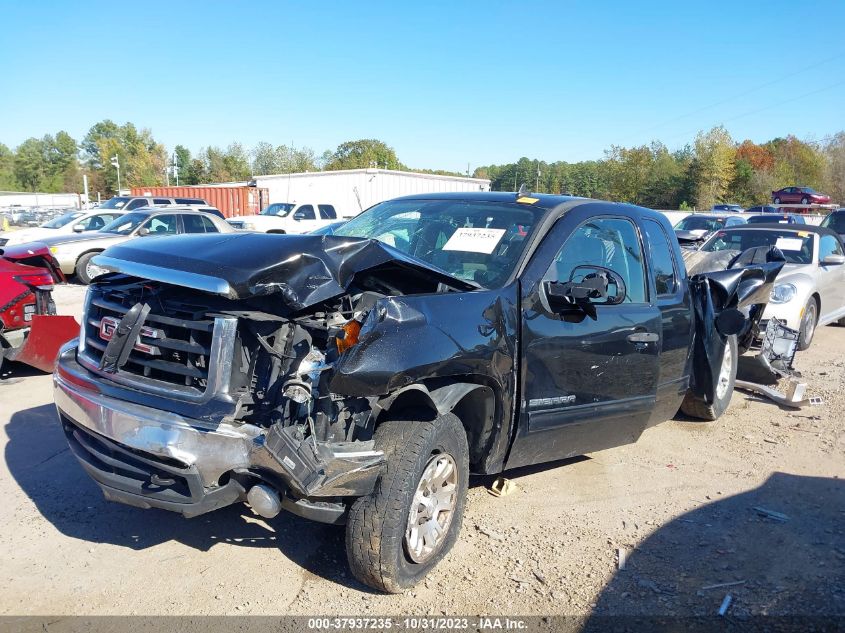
column 8, row 182
column 30, row 164
column 834, row 151
column 715, row 155
column 183, row 165
column 362, row 154
column 796, row 162
column 142, row 159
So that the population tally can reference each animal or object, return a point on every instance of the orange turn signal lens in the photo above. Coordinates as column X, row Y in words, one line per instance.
column 351, row 330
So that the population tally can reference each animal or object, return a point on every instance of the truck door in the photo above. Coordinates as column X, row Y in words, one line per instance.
column 588, row 382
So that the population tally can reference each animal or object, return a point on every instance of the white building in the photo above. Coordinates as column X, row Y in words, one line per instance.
column 26, row 199
column 353, row 190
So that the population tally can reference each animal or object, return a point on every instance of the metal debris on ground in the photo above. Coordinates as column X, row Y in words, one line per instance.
column 793, row 399
column 724, row 584
column 726, row 603
column 771, row 514
column 502, row 487
column 621, row 557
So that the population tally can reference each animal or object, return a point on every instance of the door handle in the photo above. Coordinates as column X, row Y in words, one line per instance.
column 643, row 337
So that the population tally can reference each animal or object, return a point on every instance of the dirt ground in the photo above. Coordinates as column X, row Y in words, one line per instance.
column 685, row 506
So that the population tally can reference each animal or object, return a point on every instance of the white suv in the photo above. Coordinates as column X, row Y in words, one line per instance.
column 288, row 217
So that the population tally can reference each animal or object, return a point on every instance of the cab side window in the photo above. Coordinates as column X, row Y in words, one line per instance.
column 306, row 212
column 662, row 259
column 607, row 242
column 829, row 245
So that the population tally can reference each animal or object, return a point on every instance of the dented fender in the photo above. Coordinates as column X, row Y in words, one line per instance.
column 424, row 344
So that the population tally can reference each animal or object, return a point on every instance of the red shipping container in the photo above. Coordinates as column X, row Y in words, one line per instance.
column 232, row 201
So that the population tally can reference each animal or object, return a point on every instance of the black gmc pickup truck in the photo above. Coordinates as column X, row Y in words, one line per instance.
column 360, row 377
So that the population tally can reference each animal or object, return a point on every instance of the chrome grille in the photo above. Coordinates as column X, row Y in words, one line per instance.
column 180, row 346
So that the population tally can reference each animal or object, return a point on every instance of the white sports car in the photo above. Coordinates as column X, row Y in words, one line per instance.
column 810, row 290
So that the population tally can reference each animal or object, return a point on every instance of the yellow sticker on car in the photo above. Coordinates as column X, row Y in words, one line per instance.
column 527, row 200
column 803, row 234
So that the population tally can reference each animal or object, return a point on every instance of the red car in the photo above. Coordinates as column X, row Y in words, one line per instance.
column 24, row 292
column 799, row 195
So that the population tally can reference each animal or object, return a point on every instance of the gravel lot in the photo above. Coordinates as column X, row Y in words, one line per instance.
column 680, row 504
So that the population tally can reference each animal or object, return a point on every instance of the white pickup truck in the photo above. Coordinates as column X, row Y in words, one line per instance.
column 287, row 217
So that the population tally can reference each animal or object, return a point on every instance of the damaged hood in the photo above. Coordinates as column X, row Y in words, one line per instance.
column 303, row 269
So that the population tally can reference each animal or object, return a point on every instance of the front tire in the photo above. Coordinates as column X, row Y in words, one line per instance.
column 85, row 270
column 777, row 200
column 809, row 321
column 397, row 534
column 805, row 201
column 696, row 407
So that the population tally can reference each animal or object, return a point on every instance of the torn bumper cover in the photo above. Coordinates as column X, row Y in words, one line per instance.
column 727, row 302
column 152, row 458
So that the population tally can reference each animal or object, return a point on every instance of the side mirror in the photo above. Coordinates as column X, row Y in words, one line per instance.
column 833, row 260
column 143, row 231
column 78, row 228
column 588, row 286
column 299, row 215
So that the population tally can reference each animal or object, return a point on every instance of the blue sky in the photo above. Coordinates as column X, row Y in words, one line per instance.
column 444, row 83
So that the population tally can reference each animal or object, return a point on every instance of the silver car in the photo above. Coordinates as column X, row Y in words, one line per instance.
column 74, row 252
column 810, row 290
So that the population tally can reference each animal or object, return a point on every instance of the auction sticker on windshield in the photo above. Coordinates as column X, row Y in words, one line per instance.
column 474, row 240
column 789, row 244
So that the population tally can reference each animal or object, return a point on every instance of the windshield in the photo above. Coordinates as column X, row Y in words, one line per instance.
column 797, row 246
column 700, row 223
column 479, row 242
column 114, row 203
column 835, row 222
column 278, row 208
column 59, row 222
column 125, row 224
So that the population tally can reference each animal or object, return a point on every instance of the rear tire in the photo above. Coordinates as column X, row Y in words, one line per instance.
column 696, row 407
column 809, row 321
column 777, row 200
column 384, row 531
column 805, row 201
column 84, row 271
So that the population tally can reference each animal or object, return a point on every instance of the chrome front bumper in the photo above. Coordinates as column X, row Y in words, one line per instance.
column 129, row 449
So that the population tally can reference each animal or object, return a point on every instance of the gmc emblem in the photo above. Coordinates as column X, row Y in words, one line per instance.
column 108, row 326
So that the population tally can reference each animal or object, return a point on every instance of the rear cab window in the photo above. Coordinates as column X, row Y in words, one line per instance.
column 327, row 212
column 666, row 277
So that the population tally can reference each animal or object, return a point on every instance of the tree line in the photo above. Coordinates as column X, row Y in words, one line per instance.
column 714, row 168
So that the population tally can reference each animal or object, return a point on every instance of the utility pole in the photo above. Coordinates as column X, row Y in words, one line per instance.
column 85, row 188
column 116, row 162
column 538, row 176
column 176, row 167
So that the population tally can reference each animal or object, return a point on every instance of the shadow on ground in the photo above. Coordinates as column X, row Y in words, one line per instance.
column 11, row 373
column 791, row 565
column 38, row 458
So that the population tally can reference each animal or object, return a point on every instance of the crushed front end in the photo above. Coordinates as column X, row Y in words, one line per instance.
column 200, row 381
column 186, row 401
